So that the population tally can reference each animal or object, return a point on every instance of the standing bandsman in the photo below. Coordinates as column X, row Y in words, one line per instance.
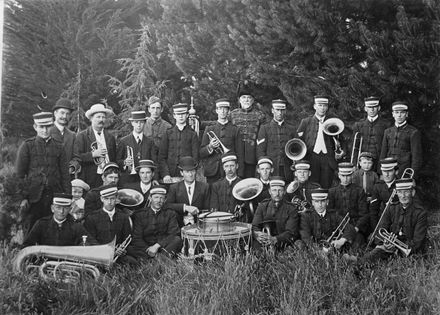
column 285, row 228
column 62, row 112
column 403, row 141
column 42, row 166
column 248, row 118
column 301, row 188
column 272, row 139
column 155, row 126
column 138, row 143
column 229, row 135
column 95, row 143
column 372, row 128
column 320, row 146
column 178, row 141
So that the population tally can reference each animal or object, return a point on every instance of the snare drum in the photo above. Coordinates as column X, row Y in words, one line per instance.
column 215, row 222
column 216, row 239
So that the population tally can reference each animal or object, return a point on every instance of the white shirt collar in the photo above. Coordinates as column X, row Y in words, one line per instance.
column 137, row 135
column 110, row 213
column 231, row 180
column 222, row 123
column 97, row 135
column 192, row 185
column 372, row 119
column 400, row 125
column 180, row 127
column 321, row 119
column 279, row 122
column 59, row 222
column 322, row 214
column 59, row 127
column 145, row 187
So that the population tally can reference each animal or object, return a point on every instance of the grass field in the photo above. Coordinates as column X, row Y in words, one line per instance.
column 290, row 283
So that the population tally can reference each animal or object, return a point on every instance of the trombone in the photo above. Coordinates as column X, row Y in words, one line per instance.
column 221, row 148
column 357, row 148
column 391, row 238
column 130, row 155
column 337, row 233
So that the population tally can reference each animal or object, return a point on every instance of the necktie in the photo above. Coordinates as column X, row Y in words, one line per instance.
column 364, row 181
column 138, row 140
column 189, row 194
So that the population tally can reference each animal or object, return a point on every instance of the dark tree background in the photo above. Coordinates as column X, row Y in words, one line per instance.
column 125, row 51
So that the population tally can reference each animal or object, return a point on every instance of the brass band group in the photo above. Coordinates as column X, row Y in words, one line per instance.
column 315, row 187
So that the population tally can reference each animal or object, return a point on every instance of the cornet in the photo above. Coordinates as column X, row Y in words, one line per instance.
column 130, row 155
column 122, row 246
column 222, row 149
column 391, row 238
column 99, row 161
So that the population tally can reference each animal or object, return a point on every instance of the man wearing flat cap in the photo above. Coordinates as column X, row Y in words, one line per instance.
column 276, row 221
column 372, row 128
column 228, row 134
column 155, row 230
column 272, row 139
column 155, row 126
column 137, row 144
column 58, row 229
column 177, row 142
column 299, row 191
column 403, row 141
column 95, row 146
column 188, row 197
column 42, row 168
column 62, row 112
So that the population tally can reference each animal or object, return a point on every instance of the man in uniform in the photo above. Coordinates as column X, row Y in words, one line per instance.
column 58, row 229
column 230, row 137
column 141, row 146
column 264, row 170
column 402, row 141
column 188, row 197
column 272, row 139
column 156, row 229
column 278, row 217
column 248, row 118
column 178, row 141
column 42, row 167
column 155, row 126
column 372, row 128
column 320, row 146
column 299, row 191
column 104, row 146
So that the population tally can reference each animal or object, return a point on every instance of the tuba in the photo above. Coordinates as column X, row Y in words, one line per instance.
column 295, row 149
column 246, row 190
column 222, row 149
column 130, row 197
column 66, row 263
column 333, row 127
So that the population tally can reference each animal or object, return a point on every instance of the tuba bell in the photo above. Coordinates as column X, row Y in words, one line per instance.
column 295, row 149
column 130, row 197
column 246, row 190
column 333, row 127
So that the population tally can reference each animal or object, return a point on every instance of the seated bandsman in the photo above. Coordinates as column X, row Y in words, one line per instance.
column 134, row 147
column 189, row 196
column 79, row 189
column 156, row 229
column 350, row 198
column 272, row 139
column 299, row 191
column 319, row 224
column 405, row 220
column 230, row 137
column 110, row 176
column 109, row 222
column 284, row 230
column 58, row 229
column 221, row 198
column 264, row 170
column 365, row 176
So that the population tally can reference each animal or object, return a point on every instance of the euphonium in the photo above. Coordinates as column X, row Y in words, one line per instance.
column 391, row 238
column 99, row 161
column 333, row 127
column 246, row 190
column 295, row 149
column 222, row 149
column 130, row 154
column 69, row 260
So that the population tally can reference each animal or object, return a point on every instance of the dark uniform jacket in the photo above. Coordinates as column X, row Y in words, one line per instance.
column 98, row 224
column 177, row 197
column 372, row 134
column 371, row 179
column 286, row 219
column 272, row 139
column 47, row 232
column 231, row 137
column 92, row 200
column 176, row 144
column 221, row 195
column 248, row 122
column 144, row 151
column 83, row 151
column 410, row 224
column 155, row 129
column 315, row 228
column 403, row 143
column 42, row 165
column 67, row 139
column 352, row 199
column 151, row 228
column 380, row 195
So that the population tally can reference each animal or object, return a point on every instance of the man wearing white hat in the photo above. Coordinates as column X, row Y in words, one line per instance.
column 104, row 145
column 276, row 221
column 137, row 143
column 58, row 229
column 42, row 167
column 403, row 141
column 272, row 139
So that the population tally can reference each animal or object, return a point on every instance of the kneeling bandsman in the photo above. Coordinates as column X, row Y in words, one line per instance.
column 284, row 229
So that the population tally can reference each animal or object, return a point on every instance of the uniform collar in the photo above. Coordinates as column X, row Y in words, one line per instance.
column 372, row 119
column 401, row 125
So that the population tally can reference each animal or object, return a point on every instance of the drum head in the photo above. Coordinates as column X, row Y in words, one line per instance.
column 216, row 216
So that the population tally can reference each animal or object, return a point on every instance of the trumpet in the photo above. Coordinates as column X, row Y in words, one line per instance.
column 357, row 148
column 99, row 161
column 122, row 246
column 389, row 238
column 130, row 155
column 221, row 148
column 333, row 127
column 193, row 119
